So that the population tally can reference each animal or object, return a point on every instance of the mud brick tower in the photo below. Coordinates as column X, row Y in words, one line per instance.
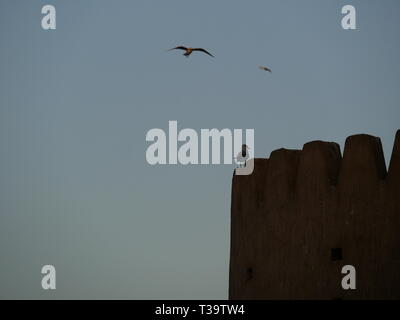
column 304, row 214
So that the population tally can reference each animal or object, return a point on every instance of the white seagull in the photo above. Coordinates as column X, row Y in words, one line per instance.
column 243, row 155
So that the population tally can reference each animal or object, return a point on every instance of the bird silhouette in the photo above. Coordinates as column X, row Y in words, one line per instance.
column 188, row 51
column 265, row 69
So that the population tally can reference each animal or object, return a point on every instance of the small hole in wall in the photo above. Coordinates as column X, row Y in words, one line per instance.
column 336, row 254
column 249, row 273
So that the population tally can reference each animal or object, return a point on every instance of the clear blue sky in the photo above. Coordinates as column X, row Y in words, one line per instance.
column 76, row 104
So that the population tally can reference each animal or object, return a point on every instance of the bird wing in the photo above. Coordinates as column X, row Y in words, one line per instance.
column 265, row 68
column 179, row 47
column 203, row 50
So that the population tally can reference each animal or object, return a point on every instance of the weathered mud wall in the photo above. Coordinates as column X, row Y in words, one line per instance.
column 304, row 214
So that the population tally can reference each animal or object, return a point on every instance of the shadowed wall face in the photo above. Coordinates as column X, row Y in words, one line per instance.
column 305, row 214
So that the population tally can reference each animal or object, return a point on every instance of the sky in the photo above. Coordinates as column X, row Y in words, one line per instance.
column 76, row 103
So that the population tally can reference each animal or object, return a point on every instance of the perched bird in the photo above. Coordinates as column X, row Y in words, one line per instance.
column 265, row 69
column 243, row 155
column 188, row 51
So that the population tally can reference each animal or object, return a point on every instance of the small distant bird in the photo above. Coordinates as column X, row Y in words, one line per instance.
column 243, row 155
column 188, row 51
column 265, row 69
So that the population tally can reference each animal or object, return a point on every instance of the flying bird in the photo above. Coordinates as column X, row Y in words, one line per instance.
column 188, row 51
column 243, row 155
column 265, row 69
